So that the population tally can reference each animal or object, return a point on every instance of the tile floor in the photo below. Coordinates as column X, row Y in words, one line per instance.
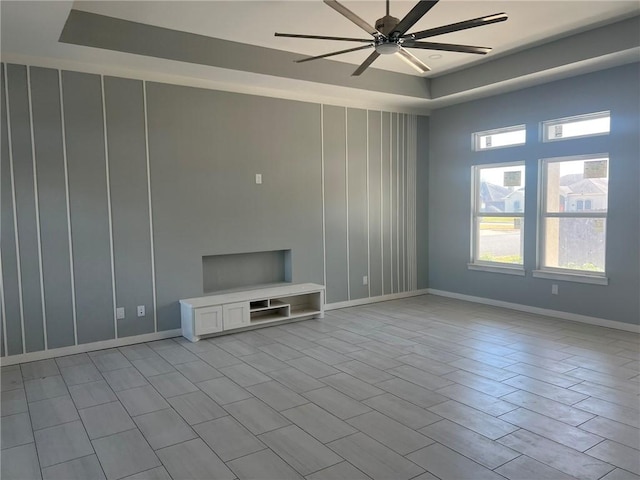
column 422, row 388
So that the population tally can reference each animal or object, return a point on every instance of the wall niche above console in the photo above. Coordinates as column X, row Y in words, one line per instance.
column 240, row 270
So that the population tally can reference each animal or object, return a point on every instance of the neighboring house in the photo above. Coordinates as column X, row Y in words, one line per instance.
column 589, row 194
column 493, row 197
column 576, row 194
column 514, row 201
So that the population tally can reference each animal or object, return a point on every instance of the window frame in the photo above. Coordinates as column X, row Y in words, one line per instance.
column 546, row 124
column 557, row 273
column 486, row 265
column 476, row 136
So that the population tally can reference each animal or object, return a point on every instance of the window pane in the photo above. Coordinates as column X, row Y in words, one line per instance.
column 500, row 239
column 580, row 126
column 577, row 185
column 501, row 189
column 575, row 243
column 503, row 137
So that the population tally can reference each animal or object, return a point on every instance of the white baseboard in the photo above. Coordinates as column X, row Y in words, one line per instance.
column 149, row 337
column 88, row 347
column 381, row 298
column 601, row 322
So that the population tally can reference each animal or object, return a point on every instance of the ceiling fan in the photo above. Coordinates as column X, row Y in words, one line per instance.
column 390, row 35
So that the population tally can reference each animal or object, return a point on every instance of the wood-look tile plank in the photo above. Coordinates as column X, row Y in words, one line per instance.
column 472, row 445
column 618, row 432
column 618, row 455
column 337, row 403
column 411, row 392
column 550, row 408
column 552, row 429
column 477, row 382
column 394, row 435
column 557, row 456
column 525, row 468
column 487, row 425
column 374, row 459
column 552, row 392
column 228, row 438
column 319, row 423
column 612, row 411
column 476, row 399
column 299, row 449
column 445, row 463
column 402, row 411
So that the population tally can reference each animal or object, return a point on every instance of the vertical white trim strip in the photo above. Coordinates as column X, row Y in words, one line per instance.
column 15, row 209
column 368, row 217
column 412, row 190
column 398, row 217
column 3, row 309
column 404, row 202
column 324, row 223
column 108, row 182
column 391, row 199
column 63, row 132
column 410, row 174
column 151, row 238
column 412, row 202
column 381, row 208
column 37, row 208
column 346, row 183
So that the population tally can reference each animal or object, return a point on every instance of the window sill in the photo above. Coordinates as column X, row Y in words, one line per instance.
column 571, row 277
column 496, row 269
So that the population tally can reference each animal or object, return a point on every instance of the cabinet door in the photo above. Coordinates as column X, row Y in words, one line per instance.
column 208, row 320
column 235, row 315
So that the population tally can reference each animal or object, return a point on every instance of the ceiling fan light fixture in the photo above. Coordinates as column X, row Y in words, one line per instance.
column 387, row 48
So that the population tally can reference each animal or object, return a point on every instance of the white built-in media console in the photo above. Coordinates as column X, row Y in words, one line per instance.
column 235, row 310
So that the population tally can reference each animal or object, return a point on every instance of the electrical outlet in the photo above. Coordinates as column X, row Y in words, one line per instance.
column 554, row 289
column 120, row 313
column 365, row 280
column 141, row 310
column 258, row 178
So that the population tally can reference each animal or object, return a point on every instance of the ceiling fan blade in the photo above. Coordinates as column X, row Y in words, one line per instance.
column 344, row 11
column 456, row 27
column 413, row 61
column 415, row 14
column 308, row 59
column 447, row 47
column 370, row 59
column 322, row 37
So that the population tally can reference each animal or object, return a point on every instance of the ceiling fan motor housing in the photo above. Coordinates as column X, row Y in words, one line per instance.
column 388, row 45
column 386, row 24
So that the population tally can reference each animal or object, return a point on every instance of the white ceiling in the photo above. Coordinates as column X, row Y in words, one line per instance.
column 30, row 30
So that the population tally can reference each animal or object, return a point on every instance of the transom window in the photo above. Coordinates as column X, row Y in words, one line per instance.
column 574, row 127
column 499, row 138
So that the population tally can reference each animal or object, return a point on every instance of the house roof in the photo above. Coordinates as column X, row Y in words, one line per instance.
column 493, row 193
column 589, row 186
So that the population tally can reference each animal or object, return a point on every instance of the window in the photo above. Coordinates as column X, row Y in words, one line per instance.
column 500, row 137
column 575, row 127
column 573, row 218
column 498, row 215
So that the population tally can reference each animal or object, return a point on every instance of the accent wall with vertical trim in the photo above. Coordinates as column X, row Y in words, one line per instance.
column 112, row 190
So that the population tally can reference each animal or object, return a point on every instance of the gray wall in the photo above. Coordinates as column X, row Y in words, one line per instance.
column 120, row 187
column 450, row 162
